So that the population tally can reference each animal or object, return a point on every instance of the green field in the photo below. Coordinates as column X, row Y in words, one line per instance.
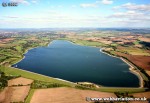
column 31, row 92
column 129, row 90
column 84, row 42
column 133, row 51
column 13, row 50
column 30, row 75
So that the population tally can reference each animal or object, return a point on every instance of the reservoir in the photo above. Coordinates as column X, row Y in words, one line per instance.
column 75, row 63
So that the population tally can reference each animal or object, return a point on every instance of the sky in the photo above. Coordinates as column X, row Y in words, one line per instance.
column 75, row 13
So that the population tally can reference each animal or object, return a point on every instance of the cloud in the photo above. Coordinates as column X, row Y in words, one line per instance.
column 89, row 5
column 128, row 14
column 10, row 17
column 131, row 16
column 132, row 6
column 97, row 3
column 107, row 2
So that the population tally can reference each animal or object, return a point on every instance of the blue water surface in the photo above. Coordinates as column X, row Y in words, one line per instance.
column 65, row 60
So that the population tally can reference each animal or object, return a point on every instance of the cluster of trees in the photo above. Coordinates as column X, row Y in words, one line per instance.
column 4, row 79
column 146, row 45
column 40, row 84
column 90, row 85
column 83, row 87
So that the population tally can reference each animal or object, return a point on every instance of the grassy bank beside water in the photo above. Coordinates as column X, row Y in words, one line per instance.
column 18, row 72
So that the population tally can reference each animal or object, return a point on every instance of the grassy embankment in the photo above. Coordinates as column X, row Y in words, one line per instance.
column 18, row 72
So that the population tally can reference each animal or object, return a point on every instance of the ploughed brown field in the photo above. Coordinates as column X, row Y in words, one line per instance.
column 66, row 95
column 19, row 81
column 5, row 95
column 141, row 61
column 14, row 94
column 20, row 93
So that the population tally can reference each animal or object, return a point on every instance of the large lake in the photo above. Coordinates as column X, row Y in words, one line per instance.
column 65, row 60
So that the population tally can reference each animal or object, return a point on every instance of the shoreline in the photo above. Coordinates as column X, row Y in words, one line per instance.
column 131, row 67
column 131, row 70
column 134, row 71
column 26, row 51
column 43, row 75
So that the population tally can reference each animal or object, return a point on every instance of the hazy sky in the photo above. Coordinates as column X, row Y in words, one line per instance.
column 75, row 13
